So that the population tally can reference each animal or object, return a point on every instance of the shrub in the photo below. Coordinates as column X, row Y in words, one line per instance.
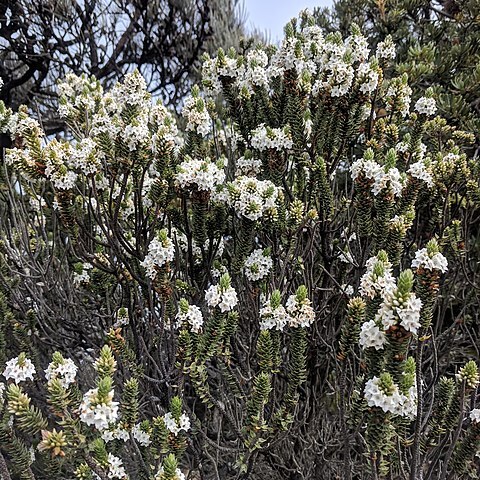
column 280, row 288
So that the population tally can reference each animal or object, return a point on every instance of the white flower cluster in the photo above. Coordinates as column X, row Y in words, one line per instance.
column 98, row 414
column 136, row 134
column 193, row 316
column 203, row 174
column 85, row 157
column 399, row 96
column 252, row 198
column 435, row 261
column 132, row 92
column 57, row 165
column 426, row 106
column 372, row 336
column 422, row 172
column 175, row 426
column 475, row 415
column 392, row 401
column 273, row 316
column 386, row 49
column 115, row 432
column 141, row 436
column 405, row 313
column 258, row 265
column 78, row 94
column 368, row 78
column 160, row 251
column 384, row 178
column 196, row 113
column 64, row 371
column 224, row 298
column 178, row 474
column 163, row 125
column 377, row 279
column 300, row 313
column 265, row 138
column 255, row 72
column 19, row 369
column 388, row 179
column 116, row 468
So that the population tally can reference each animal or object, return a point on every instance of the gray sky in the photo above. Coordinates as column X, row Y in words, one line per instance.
column 272, row 15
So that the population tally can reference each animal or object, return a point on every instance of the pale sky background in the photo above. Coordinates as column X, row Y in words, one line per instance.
column 272, row 15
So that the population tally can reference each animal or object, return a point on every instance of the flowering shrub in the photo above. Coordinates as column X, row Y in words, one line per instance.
column 285, row 270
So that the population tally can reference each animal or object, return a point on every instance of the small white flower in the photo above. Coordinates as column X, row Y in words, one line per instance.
column 92, row 412
column 160, row 251
column 116, row 468
column 175, row 427
column 258, row 265
column 204, row 174
column 434, row 262
column 273, row 318
column 264, row 138
column 19, row 369
column 475, row 415
column 64, row 372
column 371, row 336
column 141, row 436
column 225, row 299
column 193, row 316
column 300, row 314
column 426, row 106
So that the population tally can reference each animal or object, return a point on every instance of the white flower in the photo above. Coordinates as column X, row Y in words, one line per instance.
column 193, row 316
column 224, row 298
column 430, row 262
column 65, row 372
column 371, row 336
column 409, row 313
column 83, row 276
column 386, row 49
column 377, row 279
column 136, row 134
column 368, row 78
column 248, row 166
column 202, row 174
column 115, row 433
column 160, row 251
column 115, row 468
column 375, row 397
column 388, row 180
column 196, row 113
column 347, row 289
column 258, row 265
column 273, row 318
column 406, row 313
column 475, row 415
column 160, row 474
column 420, row 171
column 366, row 167
column 253, row 198
column 263, row 138
column 92, row 412
column 175, row 427
column 426, row 106
column 141, row 436
column 301, row 314
column 19, row 369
